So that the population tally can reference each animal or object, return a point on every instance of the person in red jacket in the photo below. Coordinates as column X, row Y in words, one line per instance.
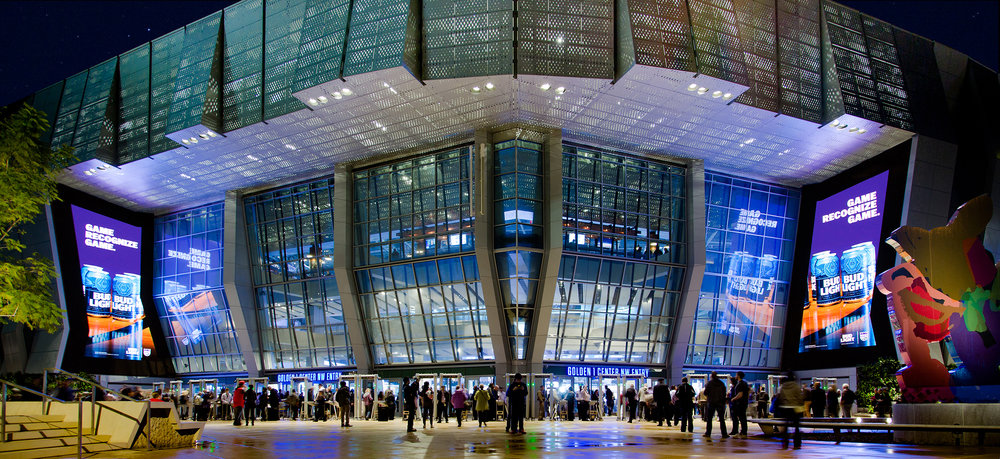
column 238, row 404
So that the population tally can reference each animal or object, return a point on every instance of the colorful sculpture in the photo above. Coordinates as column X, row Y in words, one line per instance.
column 947, row 287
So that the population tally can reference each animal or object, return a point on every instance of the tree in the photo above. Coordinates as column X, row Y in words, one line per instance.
column 28, row 170
column 875, row 374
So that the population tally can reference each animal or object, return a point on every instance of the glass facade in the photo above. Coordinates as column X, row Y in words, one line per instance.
column 299, row 312
column 624, row 257
column 189, row 294
column 421, row 300
column 517, row 235
column 416, row 208
column 749, row 239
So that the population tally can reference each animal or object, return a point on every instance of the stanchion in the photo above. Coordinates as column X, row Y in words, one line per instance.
column 3, row 417
column 79, row 429
column 149, row 440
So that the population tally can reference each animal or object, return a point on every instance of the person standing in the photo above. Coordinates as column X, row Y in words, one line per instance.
column 661, row 397
column 832, row 401
column 631, row 402
column 238, row 403
column 225, row 404
column 482, row 404
column 458, row 403
column 343, row 399
column 427, row 404
column 275, row 404
column 583, row 403
column 685, row 404
column 292, row 401
column 319, row 410
column 791, row 405
column 715, row 390
column 369, row 402
column 570, row 404
column 847, row 399
column 818, row 397
column 517, row 397
column 410, row 402
column 609, row 401
column 390, row 404
column 762, row 403
column 249, row 406
column 739, row 403
column 542, row 401
column 443, row 397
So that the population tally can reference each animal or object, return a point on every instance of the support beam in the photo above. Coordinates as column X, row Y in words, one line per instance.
column 552, row 242
column 695, row 270
column 343, row 266
column 238, row 284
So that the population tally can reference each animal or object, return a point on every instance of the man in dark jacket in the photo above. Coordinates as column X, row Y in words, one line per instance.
column 685, row 403
column 661, row 396
column 410, row 402
column 715, row 390
column 517, row 394
column 570, row 403
column 738, row 403
column 343, row 398
column 818, row 397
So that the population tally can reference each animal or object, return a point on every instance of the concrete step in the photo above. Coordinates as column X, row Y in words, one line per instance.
column 30, row 426
column 25, row 435
column 59, row 451
column 24, row 445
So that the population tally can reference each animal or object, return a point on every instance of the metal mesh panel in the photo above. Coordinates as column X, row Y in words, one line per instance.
column 165, row 59
column 757, row 38
column 241, row 91
column 378, row 36
column 716, row 39
column 133, row 114
column 662, row 34
column 565, row 38
column 801, row 81
column 200, row 39
column 281, row 52
column 468, row 38
column 923, row 85
column 321, row 43
column 868, row 67
column 47, row 100
column 69, row 109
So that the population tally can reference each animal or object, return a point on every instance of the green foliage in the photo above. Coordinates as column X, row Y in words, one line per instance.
column 28, row 171
column 875, row 374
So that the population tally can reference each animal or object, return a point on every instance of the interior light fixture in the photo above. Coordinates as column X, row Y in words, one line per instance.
column 692, row 86
column 313, row 102
column 489, row 86
column 322, row 99
column 476, row 89
column 346, row 91
column 338, row 95
column 193, row 140
column 203, row 136
column 716, row 94
column 727, row 96
column 545, row 86
column 185, row 141
column 560, row 90
column 702, row 90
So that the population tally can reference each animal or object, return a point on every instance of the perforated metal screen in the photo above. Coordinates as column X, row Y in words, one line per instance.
column 565, row 37
column 243, row 64
column 468, row 38
column 282, row 35
column 133, row 113
column 69, row 110
column 193, row 74
column 378, row 35
column 661, row 32
column 321, row 43
column 164, row 62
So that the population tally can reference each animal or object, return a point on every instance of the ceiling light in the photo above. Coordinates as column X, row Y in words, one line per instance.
column 101, row 168
column 212, row 134
column 193, row 140
column 185, row 141
column 716, row 94
column 203, row 136
column 842, row 126
column 692, row 86
column 560, row 90
column 347, row 91
column 476, row 89
column 322, row 99
column 836, row 122
column 862, row 131
column 88, row 172
column 727, row 96
column 545, row 86
column 289, row 146
column 337, row 96
column 489, row 86
column 702, row 90
column 853, row 129
column 313, row 102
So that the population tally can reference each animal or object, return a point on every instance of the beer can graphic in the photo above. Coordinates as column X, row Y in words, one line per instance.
column 126, row 294
column 854, row 273
column 869, row 250
column 127, row 314
column 96, row 290
column 824, row 268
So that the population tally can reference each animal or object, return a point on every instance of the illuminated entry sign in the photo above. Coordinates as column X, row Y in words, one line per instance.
column 312, row 376
column 594, row 372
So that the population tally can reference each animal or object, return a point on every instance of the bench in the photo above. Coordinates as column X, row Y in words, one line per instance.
column 770, row 427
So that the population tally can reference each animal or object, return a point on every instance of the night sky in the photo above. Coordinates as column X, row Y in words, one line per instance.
column 47, row 41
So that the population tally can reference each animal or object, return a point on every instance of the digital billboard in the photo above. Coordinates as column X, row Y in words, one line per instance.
column 110, row 257
column 841, row 270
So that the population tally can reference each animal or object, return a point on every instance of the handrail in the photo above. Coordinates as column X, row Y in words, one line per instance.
column 3, row 414
column 92, row 383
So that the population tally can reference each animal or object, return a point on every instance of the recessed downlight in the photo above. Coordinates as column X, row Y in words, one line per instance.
column 346, row 91
column 489, row 86
column 322, row 99
column 313, row 102
column 692, row 86
column 545, row 86
column 716, row 94
column 560, row 90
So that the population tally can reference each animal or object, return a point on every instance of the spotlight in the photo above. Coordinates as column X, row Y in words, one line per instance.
column 212, row 134
column 560, row 90
column 185, row 141
column 194, row 140
column 322, row 99
column 313, row 102
column 862, row 131
column 338, row 95
column 716, row 94
column 692, row 86
column 545, row 86
column 203, row 136
column 702, row 90
column 489, row 86
column 346, row 91
column 727, row 96
column 476, row 89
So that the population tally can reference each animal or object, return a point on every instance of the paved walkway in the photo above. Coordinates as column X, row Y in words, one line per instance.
column 591, row 440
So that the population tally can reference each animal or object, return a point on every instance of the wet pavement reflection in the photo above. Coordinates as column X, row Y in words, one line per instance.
column 608, row 439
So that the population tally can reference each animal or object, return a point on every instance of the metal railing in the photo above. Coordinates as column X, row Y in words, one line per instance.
column 44, row 396
column 93, row 399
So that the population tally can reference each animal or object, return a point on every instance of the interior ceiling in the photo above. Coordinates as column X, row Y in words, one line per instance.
column 649, row 111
